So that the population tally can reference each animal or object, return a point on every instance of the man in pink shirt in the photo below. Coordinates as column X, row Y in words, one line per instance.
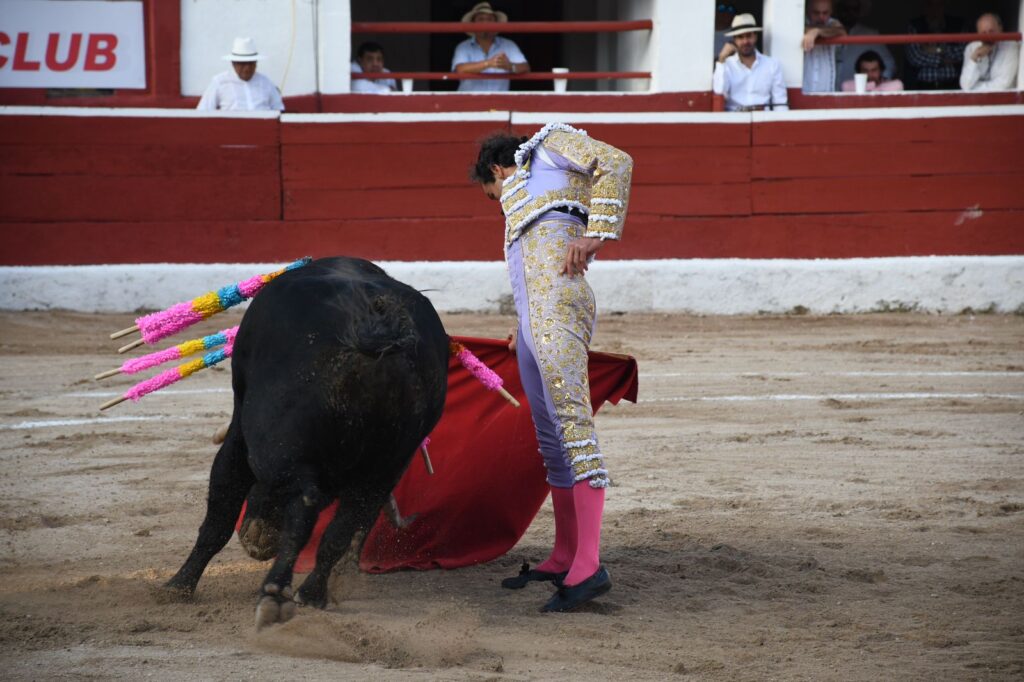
column 870, row 63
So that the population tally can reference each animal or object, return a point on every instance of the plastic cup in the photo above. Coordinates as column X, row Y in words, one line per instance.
column 560, row 83
column 860, row 83
column 407, row 84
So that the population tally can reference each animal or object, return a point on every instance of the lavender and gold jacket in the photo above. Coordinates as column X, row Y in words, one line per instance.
column 562, row 167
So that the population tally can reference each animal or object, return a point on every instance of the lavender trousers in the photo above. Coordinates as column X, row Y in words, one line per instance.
column 556, row 322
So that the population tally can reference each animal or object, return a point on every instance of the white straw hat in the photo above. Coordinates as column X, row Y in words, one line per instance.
column 484, row 8
column 744, row 23
column 243, row 50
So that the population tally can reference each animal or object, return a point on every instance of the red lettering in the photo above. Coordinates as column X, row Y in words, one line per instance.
column 4, row 40
column 53, row 43
column 21, row 62
column 99, row 54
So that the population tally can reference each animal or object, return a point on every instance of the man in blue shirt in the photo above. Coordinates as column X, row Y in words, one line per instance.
column 487, row 52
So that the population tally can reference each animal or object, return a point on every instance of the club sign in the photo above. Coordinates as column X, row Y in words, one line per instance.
column 72, row 44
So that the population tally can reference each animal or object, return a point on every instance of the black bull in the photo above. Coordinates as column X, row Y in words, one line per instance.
column 339, row 372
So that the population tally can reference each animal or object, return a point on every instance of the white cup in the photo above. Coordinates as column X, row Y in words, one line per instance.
column 407, row 84
column 860, row 83
column 560, row 83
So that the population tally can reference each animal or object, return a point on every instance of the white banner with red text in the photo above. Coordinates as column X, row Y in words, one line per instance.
column 72, row 44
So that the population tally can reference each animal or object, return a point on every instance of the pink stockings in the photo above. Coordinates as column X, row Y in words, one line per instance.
column 578, row 512
column 565, row 532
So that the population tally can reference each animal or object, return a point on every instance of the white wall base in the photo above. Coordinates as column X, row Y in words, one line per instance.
column 715, row 287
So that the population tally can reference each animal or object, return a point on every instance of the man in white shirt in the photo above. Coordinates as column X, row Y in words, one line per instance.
column 749, row 80
column 487, row 52
column 990, row 66
column 241, row 89
column 370, row 59
column 820, row 60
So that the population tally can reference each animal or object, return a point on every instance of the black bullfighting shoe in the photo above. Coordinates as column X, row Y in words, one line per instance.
column 528, row 575
column 568, row 598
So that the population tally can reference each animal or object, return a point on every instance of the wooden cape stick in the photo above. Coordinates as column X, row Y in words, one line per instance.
column 508, row 396
column 113, row 401
column 134, row 344
column 426, row 459
column 125, row 332
column 108, row 373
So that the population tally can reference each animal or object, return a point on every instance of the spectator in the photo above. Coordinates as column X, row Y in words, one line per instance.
column 749, row 80
column 370, row 59
column 487, row 52
column 870, row 63
column 820, row 60
column 934, row 66
column 724, row 14
column 990, row 66
column 241, row 89
column 850, row 14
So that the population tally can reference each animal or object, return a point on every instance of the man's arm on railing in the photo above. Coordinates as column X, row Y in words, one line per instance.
column 973, row 68
column 1000, row 64
column 813, row 33
column 494, row 62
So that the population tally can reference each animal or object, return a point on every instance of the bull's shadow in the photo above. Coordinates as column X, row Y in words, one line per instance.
column 339, row 372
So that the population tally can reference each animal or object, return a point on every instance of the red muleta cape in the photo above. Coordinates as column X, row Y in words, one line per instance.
column 488, row 480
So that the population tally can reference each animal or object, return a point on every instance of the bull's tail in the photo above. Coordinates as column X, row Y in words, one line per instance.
column 386, row 328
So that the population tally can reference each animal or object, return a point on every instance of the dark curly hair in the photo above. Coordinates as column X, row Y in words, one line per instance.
column 497, row 148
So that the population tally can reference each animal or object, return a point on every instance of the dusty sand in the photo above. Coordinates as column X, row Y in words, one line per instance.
column 873, row 534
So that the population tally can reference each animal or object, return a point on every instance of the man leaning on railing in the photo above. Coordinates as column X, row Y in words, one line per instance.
column 990, row 65
column 934, row 66
column 487, row 52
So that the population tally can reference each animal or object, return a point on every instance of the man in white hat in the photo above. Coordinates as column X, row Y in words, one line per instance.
column 749, row 80
column 241, row 89
column 487, row 52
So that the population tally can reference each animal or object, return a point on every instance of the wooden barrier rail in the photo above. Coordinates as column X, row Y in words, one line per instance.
column 107, row 189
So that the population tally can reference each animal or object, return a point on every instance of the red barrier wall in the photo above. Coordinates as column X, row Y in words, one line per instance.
column 80, row 190
column 73, row 168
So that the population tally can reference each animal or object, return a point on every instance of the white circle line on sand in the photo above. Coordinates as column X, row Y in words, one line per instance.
column 164, row 392
column 50, row 423
column 790, row 397
column 660, row 375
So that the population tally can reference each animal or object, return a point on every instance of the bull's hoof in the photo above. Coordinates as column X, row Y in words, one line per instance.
column 275, row 606
column 171, row 593
column 259, row 539
column 310, row 596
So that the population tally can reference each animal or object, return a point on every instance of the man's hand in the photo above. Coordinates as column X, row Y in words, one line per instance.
column 578, row 254
column 500, row 61
column 513, row 341
column 728, row 50
column 810, row 37
column 983, row 51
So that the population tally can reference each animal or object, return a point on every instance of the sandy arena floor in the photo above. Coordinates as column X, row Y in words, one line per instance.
column 806, row 498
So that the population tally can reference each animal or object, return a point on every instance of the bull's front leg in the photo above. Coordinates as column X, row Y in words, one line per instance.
column 276, row 603
column 230, row 480
column 357, row 513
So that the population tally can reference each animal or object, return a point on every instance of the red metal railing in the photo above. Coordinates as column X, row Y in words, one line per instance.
column 496, row 27
column 912, row 38
column 532, row 76
column 507, row 27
